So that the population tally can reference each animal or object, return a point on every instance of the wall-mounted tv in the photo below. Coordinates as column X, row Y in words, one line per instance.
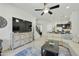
column 20, row 25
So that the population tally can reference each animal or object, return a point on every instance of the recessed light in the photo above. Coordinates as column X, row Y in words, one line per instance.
column 65, row 16
column 67, row 7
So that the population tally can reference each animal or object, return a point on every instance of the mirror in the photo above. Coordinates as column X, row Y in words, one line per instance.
column 3, row 22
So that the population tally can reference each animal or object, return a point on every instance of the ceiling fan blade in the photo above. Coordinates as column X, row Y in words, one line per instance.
column 57, row 6
column 38, row 9
column 49, row 12
column 42, row 13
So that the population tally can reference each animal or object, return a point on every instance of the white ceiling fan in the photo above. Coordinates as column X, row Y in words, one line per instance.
column 47, row 9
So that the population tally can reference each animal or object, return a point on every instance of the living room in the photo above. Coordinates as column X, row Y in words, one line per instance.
column 26, row 31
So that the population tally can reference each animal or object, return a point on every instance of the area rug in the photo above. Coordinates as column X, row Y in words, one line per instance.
column 29, row 52
column 37, row 52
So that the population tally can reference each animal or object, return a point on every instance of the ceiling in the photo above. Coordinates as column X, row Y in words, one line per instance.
column 61, row 13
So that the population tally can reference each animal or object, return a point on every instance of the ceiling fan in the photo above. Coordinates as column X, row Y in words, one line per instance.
column 47, row 9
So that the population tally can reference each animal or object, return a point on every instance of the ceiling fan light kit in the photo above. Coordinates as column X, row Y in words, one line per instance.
column 47, row 10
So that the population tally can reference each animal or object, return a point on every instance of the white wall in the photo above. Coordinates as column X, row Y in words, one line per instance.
column 8, row 12
column 53, row 21
column 44, row 26
column 75, row 23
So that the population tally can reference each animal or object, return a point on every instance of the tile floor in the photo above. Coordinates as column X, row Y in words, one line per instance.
column 36, row 45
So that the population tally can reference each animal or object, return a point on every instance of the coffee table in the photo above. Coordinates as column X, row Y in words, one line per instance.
column 50, row 48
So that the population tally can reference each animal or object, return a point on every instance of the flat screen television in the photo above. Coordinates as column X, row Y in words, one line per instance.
column 15, row 28
column 21, row 25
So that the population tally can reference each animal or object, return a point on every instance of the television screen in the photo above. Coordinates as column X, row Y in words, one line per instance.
column 21, row 25
column 15, row 28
